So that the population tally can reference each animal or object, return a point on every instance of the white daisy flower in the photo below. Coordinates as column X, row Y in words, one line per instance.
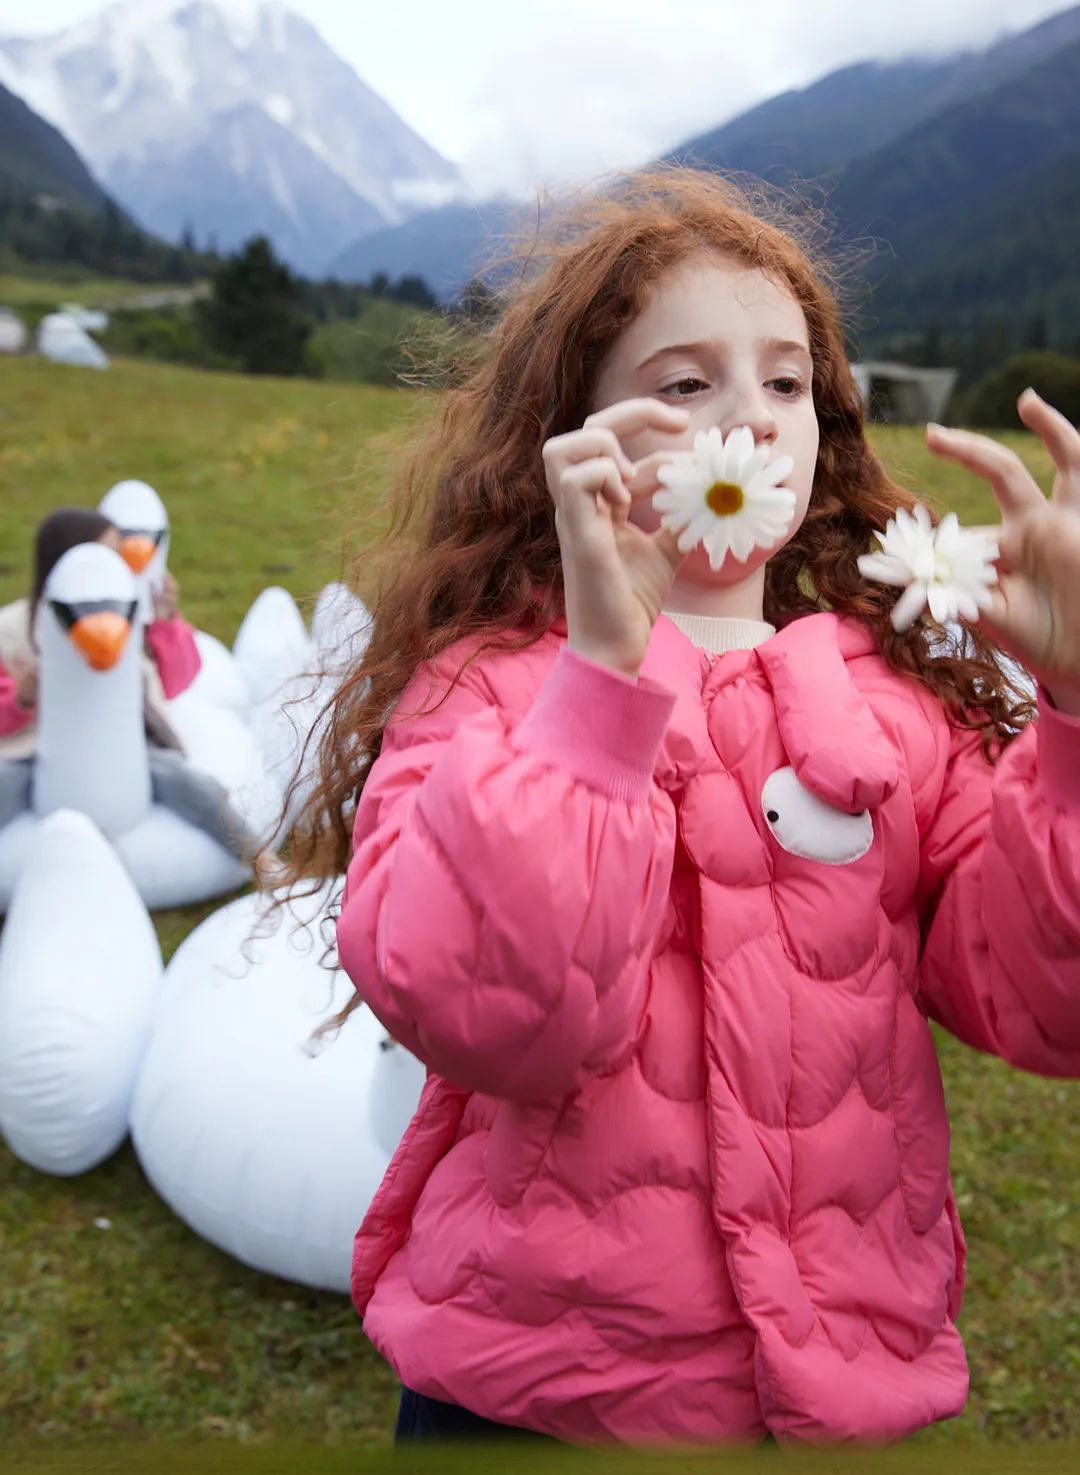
column 725, row 494
column 948, row 568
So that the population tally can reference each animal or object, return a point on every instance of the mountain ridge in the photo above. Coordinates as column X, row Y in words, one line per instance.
column 142, row 88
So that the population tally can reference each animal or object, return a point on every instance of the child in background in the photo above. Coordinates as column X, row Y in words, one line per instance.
column 663, row 869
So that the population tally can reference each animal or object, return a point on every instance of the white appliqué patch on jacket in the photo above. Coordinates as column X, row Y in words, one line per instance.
column 804, row 825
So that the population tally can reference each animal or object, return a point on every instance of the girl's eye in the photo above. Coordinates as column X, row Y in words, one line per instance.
column 788, row 388
column 681, row 392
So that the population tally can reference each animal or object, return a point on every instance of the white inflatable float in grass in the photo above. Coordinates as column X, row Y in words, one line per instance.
column 135, row 508
column 287, row 720
column 80, row 970
column 91, row 751
column 265, row 1146
column 274, row 682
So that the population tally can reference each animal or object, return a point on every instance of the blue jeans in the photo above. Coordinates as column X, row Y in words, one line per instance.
column 426, row 1420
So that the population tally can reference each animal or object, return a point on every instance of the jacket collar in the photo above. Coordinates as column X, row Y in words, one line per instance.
column 832, row 738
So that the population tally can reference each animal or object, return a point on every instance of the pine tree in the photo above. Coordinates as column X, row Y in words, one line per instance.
column 254, row 314
column 415, row 292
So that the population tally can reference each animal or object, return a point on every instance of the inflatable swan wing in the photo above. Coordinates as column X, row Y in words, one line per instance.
column 80, row 969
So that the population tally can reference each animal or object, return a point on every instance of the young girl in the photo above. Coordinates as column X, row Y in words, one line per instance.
column 662, row 871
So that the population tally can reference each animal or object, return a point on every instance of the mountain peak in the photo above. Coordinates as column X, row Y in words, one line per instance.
column 141, row 89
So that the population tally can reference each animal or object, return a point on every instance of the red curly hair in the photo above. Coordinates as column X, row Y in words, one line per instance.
column 473, row 548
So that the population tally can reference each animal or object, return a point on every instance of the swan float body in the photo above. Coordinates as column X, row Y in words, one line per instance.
column 263, row 1144
column 80, row 969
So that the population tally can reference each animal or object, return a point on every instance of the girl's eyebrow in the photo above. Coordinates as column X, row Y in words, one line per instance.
column 771, row 345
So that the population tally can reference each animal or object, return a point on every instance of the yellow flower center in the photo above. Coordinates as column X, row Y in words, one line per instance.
column 725, row 498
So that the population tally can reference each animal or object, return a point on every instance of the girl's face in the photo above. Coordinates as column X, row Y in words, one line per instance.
column 732, row 347
column 111, row 538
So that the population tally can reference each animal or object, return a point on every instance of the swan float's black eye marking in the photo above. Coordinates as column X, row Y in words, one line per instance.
column 804, row 825
column 69, row 615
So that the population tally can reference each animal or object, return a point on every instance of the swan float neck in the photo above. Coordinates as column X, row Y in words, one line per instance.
column 91, row 752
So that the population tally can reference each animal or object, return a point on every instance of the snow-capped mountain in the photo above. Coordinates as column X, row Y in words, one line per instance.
column 231, row 117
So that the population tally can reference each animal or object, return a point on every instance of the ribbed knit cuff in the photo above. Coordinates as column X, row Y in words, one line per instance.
column 603, row 728
column 1058, row 737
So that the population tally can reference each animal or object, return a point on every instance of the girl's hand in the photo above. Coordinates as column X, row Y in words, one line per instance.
column 616, row 576
column 167, row 598
column 1035, row 614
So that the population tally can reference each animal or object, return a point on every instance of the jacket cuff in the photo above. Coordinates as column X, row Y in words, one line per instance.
column 176, row 655
column 603, row 728
column 1058, row 769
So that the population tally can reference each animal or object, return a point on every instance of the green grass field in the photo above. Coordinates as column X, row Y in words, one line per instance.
column 142, row 1331
column 55, row 287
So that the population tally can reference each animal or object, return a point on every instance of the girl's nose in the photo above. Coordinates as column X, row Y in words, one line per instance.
column 751, row 407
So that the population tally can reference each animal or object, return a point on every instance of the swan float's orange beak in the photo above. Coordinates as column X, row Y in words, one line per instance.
column 136, row 549
column 100, row 638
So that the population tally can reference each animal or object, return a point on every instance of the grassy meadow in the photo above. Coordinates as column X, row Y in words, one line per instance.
column 142, row 1331
column 56, row 286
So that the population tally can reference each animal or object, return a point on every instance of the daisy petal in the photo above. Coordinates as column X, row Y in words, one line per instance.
column 908, row 607
column 942, row 601
column 716, row 546
column 967, row 605
column 778, row 470
column 883, row 570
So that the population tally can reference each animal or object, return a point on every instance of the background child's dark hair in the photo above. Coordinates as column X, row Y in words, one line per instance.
column 60, row 530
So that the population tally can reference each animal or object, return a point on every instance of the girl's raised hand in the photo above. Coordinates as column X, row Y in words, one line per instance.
column 1035, row 614
column 616, row 575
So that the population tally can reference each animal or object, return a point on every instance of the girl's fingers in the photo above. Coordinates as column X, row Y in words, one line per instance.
column 644, row 480
column 668, row 544
column 1014, row 487
column 584, row 445
column 632, row 415
column 587, row 481
column 1059, row 437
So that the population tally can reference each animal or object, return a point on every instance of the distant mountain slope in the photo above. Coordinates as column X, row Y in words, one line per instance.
column 978, row 206
column 1014, row 256
column 252, row 170
column 915, row 188
column 161, row 95
column 816, row 130
column 895, row 145
column 852, row 113
column 446, row 247
column 35, row 159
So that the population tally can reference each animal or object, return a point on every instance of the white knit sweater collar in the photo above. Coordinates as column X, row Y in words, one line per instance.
column 716, row 635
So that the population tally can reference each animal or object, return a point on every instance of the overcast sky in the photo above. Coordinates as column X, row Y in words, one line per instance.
column 544, row 91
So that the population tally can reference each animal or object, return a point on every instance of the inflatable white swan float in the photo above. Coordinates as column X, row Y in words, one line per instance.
column 136, row 510
column 91, row 753
column 275, row 680
column 210, row 717
column 80, row 969
column 269, row 1146
column 266, row 1145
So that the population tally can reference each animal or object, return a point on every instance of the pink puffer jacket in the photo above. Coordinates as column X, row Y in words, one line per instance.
column 680, row 1169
